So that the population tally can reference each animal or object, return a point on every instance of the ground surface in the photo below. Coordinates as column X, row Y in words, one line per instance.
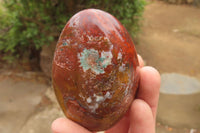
column 20, row 95
column 170, row 41
column 170, row 38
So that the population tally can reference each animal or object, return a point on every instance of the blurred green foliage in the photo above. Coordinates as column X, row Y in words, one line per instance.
column 27, row 25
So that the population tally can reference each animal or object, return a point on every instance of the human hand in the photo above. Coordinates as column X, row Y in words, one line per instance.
column 140, row 118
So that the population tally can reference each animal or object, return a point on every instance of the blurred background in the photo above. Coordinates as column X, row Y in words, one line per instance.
column 166, row 34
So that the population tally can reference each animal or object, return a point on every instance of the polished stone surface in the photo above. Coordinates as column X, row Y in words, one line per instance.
column 95, row 69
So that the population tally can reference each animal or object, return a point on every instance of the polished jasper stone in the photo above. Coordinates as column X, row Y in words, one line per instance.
column 95, row 70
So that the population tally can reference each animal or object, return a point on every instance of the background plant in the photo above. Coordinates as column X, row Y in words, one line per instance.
column 27, row 25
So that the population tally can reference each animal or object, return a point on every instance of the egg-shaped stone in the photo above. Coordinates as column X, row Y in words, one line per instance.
column 95, row 70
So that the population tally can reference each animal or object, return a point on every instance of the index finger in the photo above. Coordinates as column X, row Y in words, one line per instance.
column 149, row 87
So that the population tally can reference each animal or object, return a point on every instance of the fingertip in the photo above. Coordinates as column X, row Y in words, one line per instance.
column 141, row 118
column 55, row 126
column 150, row 74
column 140, row 60
column 140, row 110
column 64, row 125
